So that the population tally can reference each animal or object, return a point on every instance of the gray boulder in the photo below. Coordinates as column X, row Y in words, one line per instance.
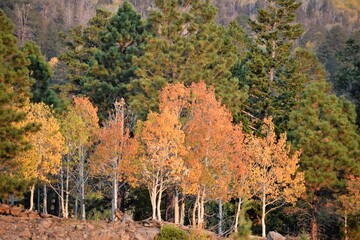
column 274, row 236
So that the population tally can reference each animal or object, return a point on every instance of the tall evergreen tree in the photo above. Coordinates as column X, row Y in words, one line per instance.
column 80, row 46
column 324, row 129
column 14, row 92
column 270, row 65
column 14, row 96
column 113, row 67
column 186, row 46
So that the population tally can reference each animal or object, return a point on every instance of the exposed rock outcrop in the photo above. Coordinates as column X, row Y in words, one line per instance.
column 275, row 236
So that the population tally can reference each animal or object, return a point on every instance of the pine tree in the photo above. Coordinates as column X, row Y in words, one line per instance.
column 40, row 71
column 80, row 46
column 324, row 129
column 113, row 67
column 14, row 94
column 187, row 46
column 269, row 67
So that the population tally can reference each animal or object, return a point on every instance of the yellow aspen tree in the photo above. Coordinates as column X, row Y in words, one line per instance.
column 242, row 185
column 80, row 127
column 71, row 127
column 275, row 171
column 48, row 145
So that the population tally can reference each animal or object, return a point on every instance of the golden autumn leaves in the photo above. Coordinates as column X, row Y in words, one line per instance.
column 190, row 148
column 44, row 158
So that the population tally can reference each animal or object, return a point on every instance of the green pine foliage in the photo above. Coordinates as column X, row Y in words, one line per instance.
column 269, row 67
column 308, row 67
column 99, row 58
column 323, row 127
column 186, row 45
column 80, row 45
column 347, row 79
column 113, row 67
column 14, row 94
column 40, row 71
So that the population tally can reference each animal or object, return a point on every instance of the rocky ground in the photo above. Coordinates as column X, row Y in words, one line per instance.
column 16, row 223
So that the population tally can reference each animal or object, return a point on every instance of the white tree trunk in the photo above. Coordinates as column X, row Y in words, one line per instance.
column 237, row 216
column 62, row 199
column 176, row 208
column 82, row 185
column 182, row 211
column 263, row 213
column 220, row 232
column 153, row 201
column 32, row 190
column 199, row 212
column 67, row 190
column 76, row 206
column 159, row 201
column 45, row 200
column 202, row 209
column 115, row 197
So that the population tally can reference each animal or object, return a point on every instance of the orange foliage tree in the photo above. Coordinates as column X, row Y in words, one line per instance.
column 208, row 136
column 114, row 139
column 175, row 97
column 275, row 171
column 159, row 161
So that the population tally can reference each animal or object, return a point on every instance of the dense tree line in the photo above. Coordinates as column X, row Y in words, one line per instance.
column 200, row 116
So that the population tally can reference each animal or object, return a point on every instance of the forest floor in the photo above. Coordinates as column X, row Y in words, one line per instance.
column 18, row 223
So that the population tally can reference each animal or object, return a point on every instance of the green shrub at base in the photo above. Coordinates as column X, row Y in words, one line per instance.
column 199, row 234
column 171, row 232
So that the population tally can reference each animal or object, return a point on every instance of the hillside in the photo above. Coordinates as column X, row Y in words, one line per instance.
column 41, row 20
column 317, row 16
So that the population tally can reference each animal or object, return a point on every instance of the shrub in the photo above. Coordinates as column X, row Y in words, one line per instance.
column 97, row 215
column 171, row 232
column 199, row 234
